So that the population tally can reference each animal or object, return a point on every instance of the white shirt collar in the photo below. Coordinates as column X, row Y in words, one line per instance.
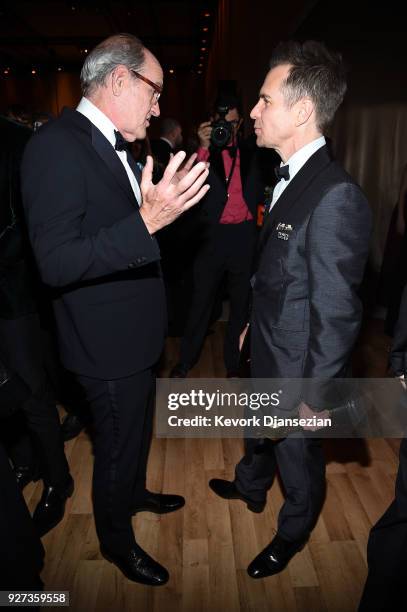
column 166, row 140
column 99, row 119
column 296, row 161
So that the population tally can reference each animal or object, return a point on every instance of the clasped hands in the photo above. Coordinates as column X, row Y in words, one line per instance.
column 178, row 190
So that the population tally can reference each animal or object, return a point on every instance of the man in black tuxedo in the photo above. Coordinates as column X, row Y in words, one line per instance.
column 170, row 141
column 226, row 238
column 92, row 220
column 387, row 545
column 306, row 312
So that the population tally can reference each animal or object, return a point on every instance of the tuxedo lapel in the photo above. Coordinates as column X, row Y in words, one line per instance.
column 314, row 165
column 105, row 150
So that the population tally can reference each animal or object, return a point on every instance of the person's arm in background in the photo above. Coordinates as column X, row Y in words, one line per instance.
column 204, row 135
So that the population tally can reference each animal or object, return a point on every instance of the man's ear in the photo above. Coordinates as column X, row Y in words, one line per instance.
column 118, row 78
column 304, row 110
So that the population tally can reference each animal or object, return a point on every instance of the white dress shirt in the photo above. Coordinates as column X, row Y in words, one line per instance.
column 295, row 163
column 104, row 125
column 167, row 141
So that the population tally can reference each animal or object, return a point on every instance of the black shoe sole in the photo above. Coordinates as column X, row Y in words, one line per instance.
column 131, row 577
column 147, row 509
column 253, row 506
column 69, row 435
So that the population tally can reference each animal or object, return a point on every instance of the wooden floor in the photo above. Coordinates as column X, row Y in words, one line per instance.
column 208, row 544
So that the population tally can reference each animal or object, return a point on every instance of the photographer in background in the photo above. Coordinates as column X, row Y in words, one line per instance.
column 227, row 233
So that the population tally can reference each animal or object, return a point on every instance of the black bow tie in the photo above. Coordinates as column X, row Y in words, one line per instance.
column 282, row 172
column 121, row 144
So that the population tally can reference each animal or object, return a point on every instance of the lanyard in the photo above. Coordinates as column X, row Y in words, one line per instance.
column 232, row 169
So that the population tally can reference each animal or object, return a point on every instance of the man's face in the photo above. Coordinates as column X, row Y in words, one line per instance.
column 274, row 122
column 138, row 100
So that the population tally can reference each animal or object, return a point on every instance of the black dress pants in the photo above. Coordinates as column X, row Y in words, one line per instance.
column 301, row 465
column 21, row 345
column 229, row 250
column 385, row 587
column 122, row 412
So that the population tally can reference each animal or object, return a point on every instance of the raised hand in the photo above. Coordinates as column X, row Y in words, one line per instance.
column 204, row 134
column 174, row 194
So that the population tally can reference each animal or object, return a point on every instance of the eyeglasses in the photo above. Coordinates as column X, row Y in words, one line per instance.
column 157, row 89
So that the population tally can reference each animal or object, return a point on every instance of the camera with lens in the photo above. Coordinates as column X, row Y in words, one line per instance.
column 222, row 130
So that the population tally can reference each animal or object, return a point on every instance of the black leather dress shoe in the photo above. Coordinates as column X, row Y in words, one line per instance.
column 180, row 370
column 25, row 474
column 274, row 558
column 138, row 566
column 71, row 427
column 160, row 503
column 228, row 490
column 51, row 508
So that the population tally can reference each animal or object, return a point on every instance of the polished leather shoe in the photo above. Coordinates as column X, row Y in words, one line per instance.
column 71, row 427
column 160, row 503
column 274, row 558
column 138, row 566
column 25, row 474
column 51, row 508
column 180, row 370
column 228, row 490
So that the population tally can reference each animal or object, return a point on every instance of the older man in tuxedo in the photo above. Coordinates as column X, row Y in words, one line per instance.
column 306, row 312
column 92, row 220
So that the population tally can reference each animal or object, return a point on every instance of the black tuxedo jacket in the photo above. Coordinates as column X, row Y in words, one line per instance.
column 306, row 312
column 161, row 151
column 93, row 248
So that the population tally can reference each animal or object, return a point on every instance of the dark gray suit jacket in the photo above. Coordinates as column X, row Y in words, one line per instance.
column 306, row 312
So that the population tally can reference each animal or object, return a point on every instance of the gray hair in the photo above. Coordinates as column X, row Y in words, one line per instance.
column 316, row 72
column 120, row 49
